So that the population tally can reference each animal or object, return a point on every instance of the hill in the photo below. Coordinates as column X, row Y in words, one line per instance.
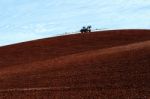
column 106, row 64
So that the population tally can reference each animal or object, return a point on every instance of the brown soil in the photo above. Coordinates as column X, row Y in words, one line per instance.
column 99, row 65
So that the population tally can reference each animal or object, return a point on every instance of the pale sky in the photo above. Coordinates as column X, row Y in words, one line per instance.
column 24, row 20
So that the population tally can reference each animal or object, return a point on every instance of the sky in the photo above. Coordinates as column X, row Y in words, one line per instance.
column 25, row 20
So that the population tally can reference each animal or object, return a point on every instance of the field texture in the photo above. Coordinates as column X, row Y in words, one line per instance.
column 99, row 65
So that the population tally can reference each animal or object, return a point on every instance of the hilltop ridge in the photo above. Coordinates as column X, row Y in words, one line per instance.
column 104, row 64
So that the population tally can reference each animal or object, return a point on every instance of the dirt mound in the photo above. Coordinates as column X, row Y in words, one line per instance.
column 65, row 45
column 110, row 64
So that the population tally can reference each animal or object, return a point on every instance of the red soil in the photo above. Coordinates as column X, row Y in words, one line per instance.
column 110, row 64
